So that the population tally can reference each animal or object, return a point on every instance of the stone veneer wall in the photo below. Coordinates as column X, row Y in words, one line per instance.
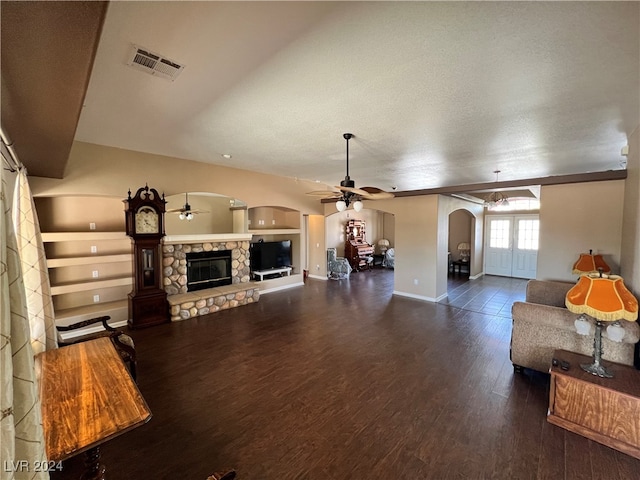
column 174, row 258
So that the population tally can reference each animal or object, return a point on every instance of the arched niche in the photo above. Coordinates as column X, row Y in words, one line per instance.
column 271, row 217
column 380, row 224
column 212, row 213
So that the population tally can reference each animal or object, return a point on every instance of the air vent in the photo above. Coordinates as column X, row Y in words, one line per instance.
column 153, row 63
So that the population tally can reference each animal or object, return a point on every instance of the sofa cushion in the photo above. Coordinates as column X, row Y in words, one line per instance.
column 547, row 292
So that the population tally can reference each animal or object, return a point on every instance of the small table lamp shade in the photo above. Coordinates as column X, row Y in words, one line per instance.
column 464, row 246
column 589, row 262
column 606, row 299
column 383, row 243
column 603, row 298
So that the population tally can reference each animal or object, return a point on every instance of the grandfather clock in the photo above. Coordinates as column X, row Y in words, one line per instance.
column 144, row 215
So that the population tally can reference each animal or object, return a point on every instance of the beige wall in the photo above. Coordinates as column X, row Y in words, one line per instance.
column 576, row 218
column 317, row 262
column 99, row 170
column 630, row 247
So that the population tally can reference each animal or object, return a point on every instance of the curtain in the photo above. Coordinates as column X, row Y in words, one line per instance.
column 21, row 435
column 34, row 267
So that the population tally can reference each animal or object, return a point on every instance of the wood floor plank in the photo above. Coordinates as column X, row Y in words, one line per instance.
column 342, row 379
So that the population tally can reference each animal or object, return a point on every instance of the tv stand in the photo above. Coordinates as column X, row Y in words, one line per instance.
column 262, row 273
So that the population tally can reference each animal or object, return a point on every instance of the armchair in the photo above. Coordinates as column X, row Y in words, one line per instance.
column 337, row 267
column 122, row 342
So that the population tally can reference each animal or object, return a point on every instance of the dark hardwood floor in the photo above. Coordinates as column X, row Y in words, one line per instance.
column 343, row 380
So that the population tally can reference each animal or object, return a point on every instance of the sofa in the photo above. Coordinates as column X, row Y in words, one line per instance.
column 542, row 324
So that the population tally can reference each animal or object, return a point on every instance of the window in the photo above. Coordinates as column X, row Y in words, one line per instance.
column 517, row 203
column 500, row 231
column 528, row 234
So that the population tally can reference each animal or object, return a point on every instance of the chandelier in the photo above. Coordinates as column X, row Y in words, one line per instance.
column 496, row 199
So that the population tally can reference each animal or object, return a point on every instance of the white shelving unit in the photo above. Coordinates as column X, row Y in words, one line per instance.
column 84, row 284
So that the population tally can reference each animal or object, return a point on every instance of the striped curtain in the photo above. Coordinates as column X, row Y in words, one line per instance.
column 21, row 435
column 34, row 267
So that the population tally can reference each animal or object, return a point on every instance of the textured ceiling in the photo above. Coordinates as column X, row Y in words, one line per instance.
column 436, row 93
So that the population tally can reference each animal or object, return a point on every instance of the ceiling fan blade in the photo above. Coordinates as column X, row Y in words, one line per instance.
column 184, row 210
column 323, row 193
column 356, row 191
column 375, row 193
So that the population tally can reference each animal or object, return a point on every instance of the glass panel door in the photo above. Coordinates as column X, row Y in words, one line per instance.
column 498, row 254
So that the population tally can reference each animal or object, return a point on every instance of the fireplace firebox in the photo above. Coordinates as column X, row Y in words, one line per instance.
column 208, row 269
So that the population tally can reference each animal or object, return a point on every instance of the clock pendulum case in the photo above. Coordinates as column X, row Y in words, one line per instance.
column 144, row 216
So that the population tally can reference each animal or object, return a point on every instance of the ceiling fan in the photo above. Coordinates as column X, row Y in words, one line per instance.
column 186, row 212
column 348, row 193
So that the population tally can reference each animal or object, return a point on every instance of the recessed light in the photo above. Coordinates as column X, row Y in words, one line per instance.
column 226, row 155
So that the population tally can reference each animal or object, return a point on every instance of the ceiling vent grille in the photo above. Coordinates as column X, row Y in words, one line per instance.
column 153, row 63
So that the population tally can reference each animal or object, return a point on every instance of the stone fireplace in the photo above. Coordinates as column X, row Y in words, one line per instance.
column 179, row 250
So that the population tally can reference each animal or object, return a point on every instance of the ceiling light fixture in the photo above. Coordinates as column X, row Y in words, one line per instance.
column 348, row 193
column 226, row 155
column 496, row 199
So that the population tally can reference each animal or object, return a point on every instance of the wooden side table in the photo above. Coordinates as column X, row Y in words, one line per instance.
column 606, row 410
column 87, row 398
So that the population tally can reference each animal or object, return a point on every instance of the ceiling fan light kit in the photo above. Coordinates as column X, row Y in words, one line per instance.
column 186, row 212
column 348, row 193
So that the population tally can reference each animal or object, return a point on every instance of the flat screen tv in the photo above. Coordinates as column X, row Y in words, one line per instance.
column 270, row 255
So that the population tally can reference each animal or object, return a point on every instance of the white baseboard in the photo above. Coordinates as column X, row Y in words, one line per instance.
column 417, row 297
column 317, row 277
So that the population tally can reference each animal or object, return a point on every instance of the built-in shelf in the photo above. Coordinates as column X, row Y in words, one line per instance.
column 73, row 259
column 95, row 259
column 90, row 285
column 50, row 237
column 117, row 310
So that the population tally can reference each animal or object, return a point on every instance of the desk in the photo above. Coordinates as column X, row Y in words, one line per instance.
column 87, row 398
column 378, row 260
column 606, row 410
column 460, row 264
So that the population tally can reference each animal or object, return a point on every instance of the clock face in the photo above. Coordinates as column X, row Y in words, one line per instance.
column 147, row 220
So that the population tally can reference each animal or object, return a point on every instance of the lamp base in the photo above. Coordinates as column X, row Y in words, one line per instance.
column 596, row 369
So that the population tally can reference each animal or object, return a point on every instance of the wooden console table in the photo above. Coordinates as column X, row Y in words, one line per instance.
column 87, row 397
column 606, row 410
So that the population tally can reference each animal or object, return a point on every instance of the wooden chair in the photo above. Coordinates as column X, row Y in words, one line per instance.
column 123, row 342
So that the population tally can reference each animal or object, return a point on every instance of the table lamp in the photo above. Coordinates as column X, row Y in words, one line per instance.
column 588, row 262
column 605, row 299
column 465, row 249
column 383, row 243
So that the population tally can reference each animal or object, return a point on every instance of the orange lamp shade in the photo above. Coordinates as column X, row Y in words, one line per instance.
column 590, row 263
column 603, row 298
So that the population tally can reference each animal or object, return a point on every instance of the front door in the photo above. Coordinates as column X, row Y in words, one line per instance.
column 511, row 246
